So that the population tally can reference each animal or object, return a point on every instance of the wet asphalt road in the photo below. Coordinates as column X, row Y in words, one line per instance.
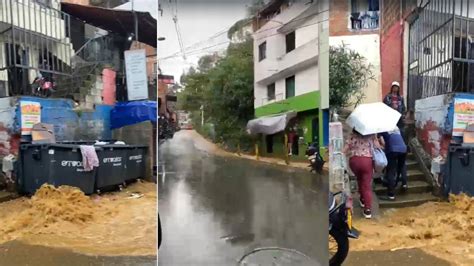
column 17, row 253
column 214, row 210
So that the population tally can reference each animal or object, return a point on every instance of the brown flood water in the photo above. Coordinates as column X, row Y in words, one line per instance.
column 113, row 224
column 441, row 229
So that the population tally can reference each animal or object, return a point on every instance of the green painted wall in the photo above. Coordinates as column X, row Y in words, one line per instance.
column 305, row 120
column 300, row 103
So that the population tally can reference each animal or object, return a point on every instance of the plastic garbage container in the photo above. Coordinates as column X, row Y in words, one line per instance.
column 111, row 171
column 459, row 172
column 55, row 164
column 136, row 162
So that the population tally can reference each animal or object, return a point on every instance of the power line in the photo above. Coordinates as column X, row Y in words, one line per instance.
column 197, row 50
column 227, row 29
column 194, row 52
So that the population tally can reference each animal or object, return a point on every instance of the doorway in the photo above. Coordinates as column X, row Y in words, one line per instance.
column 315, row 130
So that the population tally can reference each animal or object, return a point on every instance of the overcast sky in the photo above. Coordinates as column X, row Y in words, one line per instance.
column 150, row 6
column 198, row 21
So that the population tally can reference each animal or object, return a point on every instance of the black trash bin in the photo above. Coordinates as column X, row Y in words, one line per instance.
column 136, row 162
column 460, row 169
column 111, row 171
column 55, row 164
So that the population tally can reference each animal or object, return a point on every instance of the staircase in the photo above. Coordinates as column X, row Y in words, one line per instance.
column 80, row 86
column 419, row 190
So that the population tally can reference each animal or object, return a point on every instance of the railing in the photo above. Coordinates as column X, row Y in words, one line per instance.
column 278, row 97
column 36, row 37
column 102, row 50
column 32, row 16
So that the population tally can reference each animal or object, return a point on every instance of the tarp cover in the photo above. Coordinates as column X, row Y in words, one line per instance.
column 130, row 113
column 269, row 125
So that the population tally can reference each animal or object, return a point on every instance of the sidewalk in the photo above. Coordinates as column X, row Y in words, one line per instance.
column 206, row 145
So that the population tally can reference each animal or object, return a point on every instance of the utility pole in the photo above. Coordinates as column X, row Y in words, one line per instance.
column 136, row 23
column 202, row 115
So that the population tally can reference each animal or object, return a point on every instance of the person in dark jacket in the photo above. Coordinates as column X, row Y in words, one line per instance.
column 396, row 152
column 395, row 101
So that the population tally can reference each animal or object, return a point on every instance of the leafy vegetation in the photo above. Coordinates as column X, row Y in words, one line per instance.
column 224, row 87
column 349, row 74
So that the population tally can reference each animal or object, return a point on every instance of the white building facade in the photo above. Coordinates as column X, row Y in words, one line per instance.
column 287, row 78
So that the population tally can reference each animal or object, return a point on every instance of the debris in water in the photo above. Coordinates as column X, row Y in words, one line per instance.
column 135, row 195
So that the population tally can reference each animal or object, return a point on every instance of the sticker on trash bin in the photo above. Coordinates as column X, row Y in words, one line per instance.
column 115, row 161
column 137, row 158
column 51, row 152
column 73, row 164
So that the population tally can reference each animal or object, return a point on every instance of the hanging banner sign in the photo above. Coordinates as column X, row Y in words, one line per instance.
column 137, row 81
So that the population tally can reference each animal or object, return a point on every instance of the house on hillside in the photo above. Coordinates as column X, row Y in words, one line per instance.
column 290, row 57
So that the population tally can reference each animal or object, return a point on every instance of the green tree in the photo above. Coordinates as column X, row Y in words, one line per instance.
column 349, row 73
column 226, row 92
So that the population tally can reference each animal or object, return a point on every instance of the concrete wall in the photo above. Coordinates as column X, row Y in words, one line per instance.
column 368, row 47
column 9, row 136
column 68, row 124
column 433, row 124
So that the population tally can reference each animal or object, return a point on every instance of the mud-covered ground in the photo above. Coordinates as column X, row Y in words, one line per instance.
column 114, row 224
column 441, row 229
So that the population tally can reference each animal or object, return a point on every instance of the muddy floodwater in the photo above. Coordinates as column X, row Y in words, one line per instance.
column 113, row 224
column 441, row 229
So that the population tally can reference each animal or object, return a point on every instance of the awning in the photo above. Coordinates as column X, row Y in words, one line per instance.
column 269, row 125
column 118, row 21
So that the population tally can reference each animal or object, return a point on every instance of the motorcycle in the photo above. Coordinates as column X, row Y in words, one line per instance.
column 165, row 129
column 315, row 159
column 159, row 231
column 340, row 214
column 43, row 87
column 340, row 228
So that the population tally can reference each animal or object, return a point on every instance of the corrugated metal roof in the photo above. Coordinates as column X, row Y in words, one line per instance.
column 117, row 21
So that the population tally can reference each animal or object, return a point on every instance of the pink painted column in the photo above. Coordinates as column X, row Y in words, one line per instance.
column 108, row 91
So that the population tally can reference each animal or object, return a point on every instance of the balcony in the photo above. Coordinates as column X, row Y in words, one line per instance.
column 36, row 35
column 34, row 17
column 366, row 20
column 272, row 69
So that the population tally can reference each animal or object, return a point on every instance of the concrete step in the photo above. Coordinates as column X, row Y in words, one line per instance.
column 6, row 196
column 407, row 200
column 411, row 157
column 412, row 165
column 415, row 175
column 413, row 188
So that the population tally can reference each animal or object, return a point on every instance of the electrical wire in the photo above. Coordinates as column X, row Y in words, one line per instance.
column 224, row 31
column 197, row 50
column 226, row 42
